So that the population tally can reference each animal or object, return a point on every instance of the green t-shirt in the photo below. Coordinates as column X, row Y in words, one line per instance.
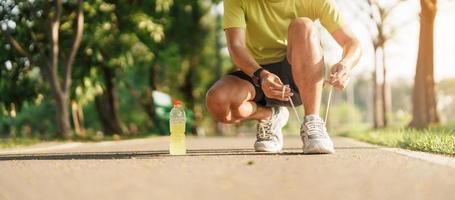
column 267, row 21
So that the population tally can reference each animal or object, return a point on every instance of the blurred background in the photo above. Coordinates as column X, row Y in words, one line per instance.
column 101, row 69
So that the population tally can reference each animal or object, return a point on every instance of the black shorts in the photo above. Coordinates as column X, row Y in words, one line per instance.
column 283, row 71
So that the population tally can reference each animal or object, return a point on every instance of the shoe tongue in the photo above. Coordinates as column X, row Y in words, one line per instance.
column 312, row 118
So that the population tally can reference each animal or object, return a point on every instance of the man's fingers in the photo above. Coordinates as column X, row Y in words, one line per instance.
column 272, row 85
column 339, row 76
column 274, row 89
column 286, row 93
column 339, row 83
column 286, row 89
column 278, row 95
column 334, row 69
column 333, row 80
column 275, row 86
column 278, row 80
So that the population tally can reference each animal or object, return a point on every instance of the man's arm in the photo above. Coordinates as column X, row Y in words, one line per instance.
column 237, row 49
column 340, row 72
column 271, row 84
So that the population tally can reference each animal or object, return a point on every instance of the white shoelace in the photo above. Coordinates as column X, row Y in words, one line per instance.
column 329, row 99
column 292, row 103
column 328, row 104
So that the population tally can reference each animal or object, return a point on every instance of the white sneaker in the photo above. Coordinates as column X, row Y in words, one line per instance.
column 269, row 135
column 314, row 135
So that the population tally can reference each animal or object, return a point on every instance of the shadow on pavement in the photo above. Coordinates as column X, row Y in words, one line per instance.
column 151, row 154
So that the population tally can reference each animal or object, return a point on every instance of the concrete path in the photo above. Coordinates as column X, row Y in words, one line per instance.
column 218, row 168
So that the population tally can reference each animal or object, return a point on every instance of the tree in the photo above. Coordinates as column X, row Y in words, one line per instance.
column 104, row 50
column 181, row 65
column 115, row 43
column 19, row 85
column 149, row 30
column 424, row 111
column 188, row 15
column 57, row 67
column 18, row 82
column 382, row 32
column 128, row 48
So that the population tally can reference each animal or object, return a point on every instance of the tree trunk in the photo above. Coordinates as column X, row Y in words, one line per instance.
column 60, row 100
column 63, row 119
column 59, row 90
column 107, row 105
column 424, row 98
column 385, row 89
column 152, row 75
column 78, row 119
column 378, row 104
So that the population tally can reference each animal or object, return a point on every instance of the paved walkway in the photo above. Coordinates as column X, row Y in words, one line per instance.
column 217, row 168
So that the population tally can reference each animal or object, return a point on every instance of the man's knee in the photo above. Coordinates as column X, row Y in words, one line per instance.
column 218, row 105
column 303, row 37
column 301, row 25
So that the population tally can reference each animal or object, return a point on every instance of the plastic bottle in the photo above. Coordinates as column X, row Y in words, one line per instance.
column 177, row 121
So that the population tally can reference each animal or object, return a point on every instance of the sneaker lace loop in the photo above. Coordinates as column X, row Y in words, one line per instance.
column 315, row 127
column 264, row 130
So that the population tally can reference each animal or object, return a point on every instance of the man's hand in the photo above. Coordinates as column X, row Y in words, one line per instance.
column 273, row 87
column 340, row 72
column 339, row 76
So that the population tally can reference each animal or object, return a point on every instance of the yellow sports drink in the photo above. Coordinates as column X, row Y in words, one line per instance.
column 177, row 120
column 177, row 143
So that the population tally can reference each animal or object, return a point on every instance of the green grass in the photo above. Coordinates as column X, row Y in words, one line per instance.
column 436, row 140
column 18, row 142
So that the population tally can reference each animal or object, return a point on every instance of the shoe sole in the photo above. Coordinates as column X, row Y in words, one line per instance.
column 318, row 147
column 268, row 150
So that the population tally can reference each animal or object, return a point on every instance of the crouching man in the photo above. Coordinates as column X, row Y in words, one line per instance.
column 276, row 47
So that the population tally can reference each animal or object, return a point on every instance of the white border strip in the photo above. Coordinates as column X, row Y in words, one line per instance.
column 429, row 157
column 433, row 158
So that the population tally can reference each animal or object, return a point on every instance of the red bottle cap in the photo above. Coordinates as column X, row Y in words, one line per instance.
column 177, row 103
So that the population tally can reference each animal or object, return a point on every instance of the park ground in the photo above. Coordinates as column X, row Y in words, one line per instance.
column 221, row 168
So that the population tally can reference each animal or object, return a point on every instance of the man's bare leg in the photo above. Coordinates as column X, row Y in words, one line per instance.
column 305, row 56
column 230, row 100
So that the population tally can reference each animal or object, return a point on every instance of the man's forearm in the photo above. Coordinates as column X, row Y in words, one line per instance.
column 351, row 53
column 243, row 60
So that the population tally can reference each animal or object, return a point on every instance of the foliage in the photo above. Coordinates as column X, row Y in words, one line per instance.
column 132, row 39
column 18, row 82
column 344, row 115
column 126, row 38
